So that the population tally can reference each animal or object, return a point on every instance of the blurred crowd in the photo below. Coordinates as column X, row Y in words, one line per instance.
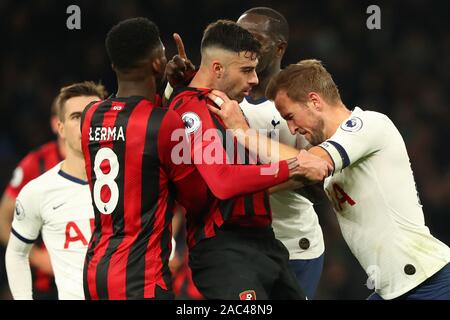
column 402, row 70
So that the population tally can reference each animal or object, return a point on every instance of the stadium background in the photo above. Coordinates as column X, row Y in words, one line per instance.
column 402, row 70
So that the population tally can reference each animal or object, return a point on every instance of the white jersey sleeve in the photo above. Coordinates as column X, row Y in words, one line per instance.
column 27, row 221
column 354, row 139
column 18, row 268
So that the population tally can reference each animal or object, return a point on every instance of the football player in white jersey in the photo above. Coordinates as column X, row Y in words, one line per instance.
column 58, row 205
column 372, row 186
column 295, row 222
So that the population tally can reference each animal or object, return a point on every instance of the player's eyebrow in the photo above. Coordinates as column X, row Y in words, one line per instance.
column 286, row 116
column 75, row 114
column 247, row 69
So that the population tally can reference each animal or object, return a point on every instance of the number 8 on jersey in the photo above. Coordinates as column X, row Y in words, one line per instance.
column 106, row 191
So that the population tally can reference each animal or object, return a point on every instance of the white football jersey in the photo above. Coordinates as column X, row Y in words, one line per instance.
column 59, row 207
column 376, row 202
column 295, row 222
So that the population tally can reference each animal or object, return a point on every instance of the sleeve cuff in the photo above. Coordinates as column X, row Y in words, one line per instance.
column 337, row 153
column 23, row 239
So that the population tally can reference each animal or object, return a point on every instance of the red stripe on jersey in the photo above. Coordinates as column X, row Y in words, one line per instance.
column 132, row 196
column 154, row 271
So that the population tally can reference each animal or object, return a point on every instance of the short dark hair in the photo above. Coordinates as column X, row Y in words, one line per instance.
column 80, row 89
column 278, row 23
column 226, row 34
column 130, row 41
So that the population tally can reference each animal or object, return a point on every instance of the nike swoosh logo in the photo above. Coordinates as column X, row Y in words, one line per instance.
column 56, row 207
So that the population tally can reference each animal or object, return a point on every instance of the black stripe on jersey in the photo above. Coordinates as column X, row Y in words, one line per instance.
column 117, row 217
column 248, row 199
column 165, row 240
column 199, row 228
column 342, row 153
column 41, row 162
column 267, row 203
column 150, row 170
column 248, row 205
column 177, row 104
column 223, row 133
column 226, row 208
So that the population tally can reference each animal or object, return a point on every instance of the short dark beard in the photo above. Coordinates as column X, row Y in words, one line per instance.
column 317, row 134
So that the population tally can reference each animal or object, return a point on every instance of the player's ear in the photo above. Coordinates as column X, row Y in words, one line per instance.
column 281, row 48
column 61, row 131
column 158, row 66
column 217, row 69
column 316, row 101
column 54, row 120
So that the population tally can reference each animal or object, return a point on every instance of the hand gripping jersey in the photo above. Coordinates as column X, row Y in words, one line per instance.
column 293, row 216
column 59, row 207
column 377, row 205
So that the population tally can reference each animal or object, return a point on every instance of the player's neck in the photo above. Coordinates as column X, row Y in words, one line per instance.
column 61, row 147
column 336, row 116
column 201, row 80
column 74, row 165
column 264, row 78
column 129, row 88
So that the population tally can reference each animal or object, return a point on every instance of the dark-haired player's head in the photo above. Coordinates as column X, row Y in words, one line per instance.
column 229, row 57
column 271, row 29
column 135, row 50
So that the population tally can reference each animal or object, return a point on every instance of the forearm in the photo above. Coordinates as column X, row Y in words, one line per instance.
column 291, row 184
column 18, row 269
column 228, row 181
column 268, row 150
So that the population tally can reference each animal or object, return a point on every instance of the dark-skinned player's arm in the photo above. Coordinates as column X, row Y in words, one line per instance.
column 179, row 70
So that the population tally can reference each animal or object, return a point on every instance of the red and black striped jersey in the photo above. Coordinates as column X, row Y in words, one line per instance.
column 223, row 191
column 130, row 246
column 32, row 166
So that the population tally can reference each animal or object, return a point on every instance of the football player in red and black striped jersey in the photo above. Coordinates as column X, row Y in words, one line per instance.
column 233, row 251
column 131, row 242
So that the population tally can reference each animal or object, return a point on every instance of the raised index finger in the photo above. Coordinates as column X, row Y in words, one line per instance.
column 180, row 45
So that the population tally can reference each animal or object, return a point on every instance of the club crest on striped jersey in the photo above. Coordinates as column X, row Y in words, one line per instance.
column 352, row 125
column 19, row 212
column 247, row 295
column 117, row 106
column 191, row 122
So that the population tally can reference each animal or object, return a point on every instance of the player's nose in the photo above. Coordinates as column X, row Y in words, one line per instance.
column 292, row 127
column 253, row 79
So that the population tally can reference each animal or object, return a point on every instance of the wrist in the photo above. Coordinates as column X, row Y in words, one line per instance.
column 293, row 166
column 168, row 91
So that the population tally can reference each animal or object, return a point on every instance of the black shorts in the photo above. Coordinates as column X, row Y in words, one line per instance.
column 243, row 264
